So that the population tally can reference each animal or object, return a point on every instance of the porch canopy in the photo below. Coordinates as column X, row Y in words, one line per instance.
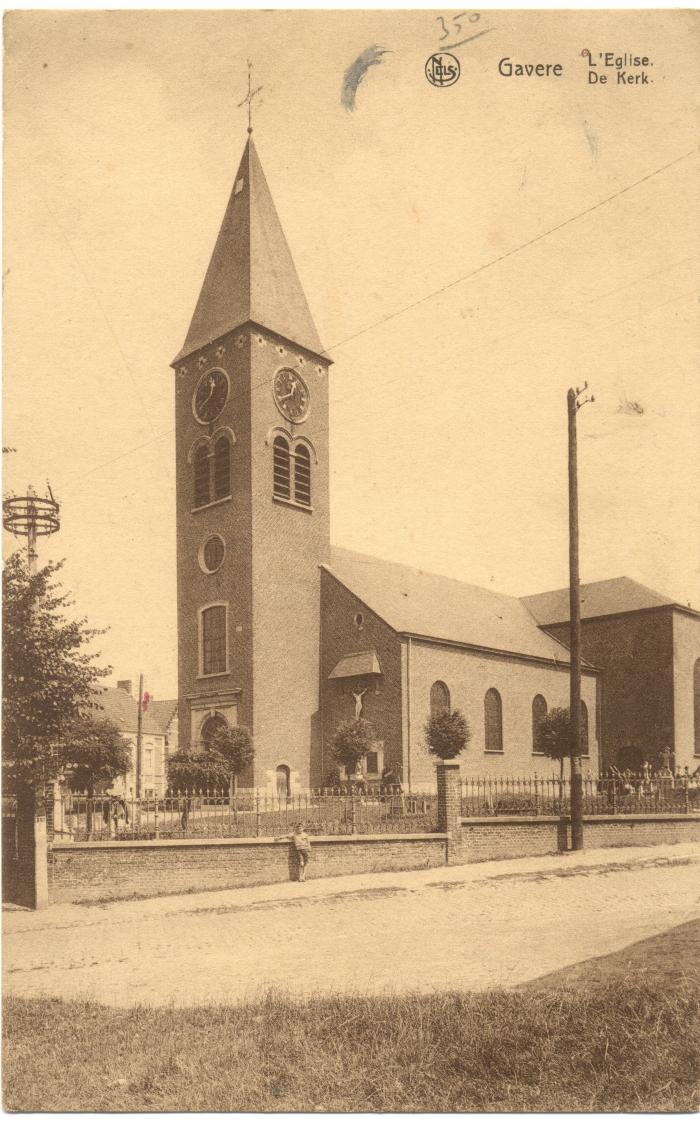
column 355, row 664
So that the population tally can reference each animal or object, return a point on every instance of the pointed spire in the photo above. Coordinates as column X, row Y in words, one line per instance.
column 251, row 275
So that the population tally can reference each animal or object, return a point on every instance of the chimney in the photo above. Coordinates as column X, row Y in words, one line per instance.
column 124, row 685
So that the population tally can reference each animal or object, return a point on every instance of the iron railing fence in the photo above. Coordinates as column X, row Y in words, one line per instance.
column 602, row 796
column 246, row 813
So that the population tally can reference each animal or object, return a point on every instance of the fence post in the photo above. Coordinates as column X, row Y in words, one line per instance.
column 537, row 796
column 449, row 802
column 257, row 814
column 686, row 795
column 353, row 814
column 32, row 848
column 614, row 796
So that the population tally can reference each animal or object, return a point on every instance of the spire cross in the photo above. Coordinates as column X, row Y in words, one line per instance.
column 249, row 97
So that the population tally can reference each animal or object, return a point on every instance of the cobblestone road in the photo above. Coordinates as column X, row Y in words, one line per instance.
column 472, row 927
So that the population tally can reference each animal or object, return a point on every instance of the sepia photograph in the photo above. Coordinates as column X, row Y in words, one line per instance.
column 351, row 539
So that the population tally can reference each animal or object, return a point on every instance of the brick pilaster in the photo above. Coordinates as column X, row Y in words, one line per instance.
column 449, row 786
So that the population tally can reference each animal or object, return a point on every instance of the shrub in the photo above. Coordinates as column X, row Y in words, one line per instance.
column 352, row 742
column 447, row 734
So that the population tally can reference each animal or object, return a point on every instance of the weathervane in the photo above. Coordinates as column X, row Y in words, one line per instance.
column 249, row 97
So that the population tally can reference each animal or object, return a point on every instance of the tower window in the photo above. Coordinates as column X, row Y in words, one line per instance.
column 493, row 721
column 439, row 699
column 201, row 477
column 302, row 475
column 539, row 711
column 222, row 468
column 280, row 468
column 213, row 639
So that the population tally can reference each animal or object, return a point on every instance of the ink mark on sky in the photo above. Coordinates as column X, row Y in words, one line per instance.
column 591, row 139
column 356, row 72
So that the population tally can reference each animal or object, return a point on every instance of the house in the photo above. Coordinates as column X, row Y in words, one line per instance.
column 159, row 735
column 647, row 649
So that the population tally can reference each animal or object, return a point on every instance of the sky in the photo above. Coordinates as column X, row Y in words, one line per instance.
column 468, row 253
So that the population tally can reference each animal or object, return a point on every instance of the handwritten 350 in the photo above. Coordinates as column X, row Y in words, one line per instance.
column 456, row 28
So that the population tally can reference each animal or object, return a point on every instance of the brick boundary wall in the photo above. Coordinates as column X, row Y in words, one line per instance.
column 92, row 872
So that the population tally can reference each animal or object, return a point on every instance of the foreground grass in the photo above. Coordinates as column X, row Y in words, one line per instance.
column 624, row 1046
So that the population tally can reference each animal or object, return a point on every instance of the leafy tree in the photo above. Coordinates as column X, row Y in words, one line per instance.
column 352, row 742
column 190, row 771
column 554, row 735
column 94, row 754
column 447, row 734
column 234, row 745
column 50, row 681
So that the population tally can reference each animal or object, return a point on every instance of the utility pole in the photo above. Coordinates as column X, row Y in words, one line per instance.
column 139, row 728
column 573, row 403
column 31, row 516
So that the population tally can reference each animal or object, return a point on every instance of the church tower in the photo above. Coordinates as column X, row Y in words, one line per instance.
column 252, row 495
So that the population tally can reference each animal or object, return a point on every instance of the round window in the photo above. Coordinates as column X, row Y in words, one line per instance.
column 359, row 619
column 212, row 553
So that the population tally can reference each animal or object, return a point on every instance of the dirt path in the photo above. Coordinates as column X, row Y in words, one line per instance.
column 473, row 927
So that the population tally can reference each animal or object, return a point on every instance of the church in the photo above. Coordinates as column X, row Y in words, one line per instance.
column 277, row 629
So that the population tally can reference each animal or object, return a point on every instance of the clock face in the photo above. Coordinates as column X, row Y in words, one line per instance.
column 210, row 395
column 291, row 395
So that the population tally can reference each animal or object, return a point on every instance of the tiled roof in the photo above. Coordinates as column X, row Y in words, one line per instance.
column 424, row 604
column 122, row 709
column 251, row 276
column 600, row 598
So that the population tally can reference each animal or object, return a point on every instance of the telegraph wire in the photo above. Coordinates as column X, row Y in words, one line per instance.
column 432, row 294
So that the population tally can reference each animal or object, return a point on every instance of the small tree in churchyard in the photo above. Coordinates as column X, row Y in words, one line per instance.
column 234, row 745
column 193, row 771
column 447, row 734
column 352, row 742
column 50, row 681
column 554, row 735
column 94, row 754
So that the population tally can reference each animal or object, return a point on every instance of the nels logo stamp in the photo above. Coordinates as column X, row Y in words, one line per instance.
column 442, row 69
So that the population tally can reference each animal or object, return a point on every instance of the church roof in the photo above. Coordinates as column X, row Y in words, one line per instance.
column 122, row 709
column 600, row 598
column 251, row 276
column 422, row 604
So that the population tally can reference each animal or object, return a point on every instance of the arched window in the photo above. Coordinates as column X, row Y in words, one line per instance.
column 222, row 468
column 539, row 711
column 201, row 477
column 493, row 721
column 213, row 642
column 212, row 727
column 439, row 698
column 280, row 468
column 584, row 729
column 282, row 781
column 302, row 475
column 696, row 705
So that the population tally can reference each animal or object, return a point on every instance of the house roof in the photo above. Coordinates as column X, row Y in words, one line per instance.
column 122, row 709
column 424, row 604
column 251, row 276
column 600, row 598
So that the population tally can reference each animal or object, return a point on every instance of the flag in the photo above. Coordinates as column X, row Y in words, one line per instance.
column 146, row 700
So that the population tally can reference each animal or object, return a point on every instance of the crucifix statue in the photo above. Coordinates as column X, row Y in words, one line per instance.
column 358, row 696
column 249, row 97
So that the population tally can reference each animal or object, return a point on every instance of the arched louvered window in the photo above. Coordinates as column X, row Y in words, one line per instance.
column 539, row 712
column 222, row 468
column 302, row 475
column 201, row 477
column 584, row 729
column 439, row 698
column 696, row 705
column 493, row 721
column 213, row 640
column 280, row 468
